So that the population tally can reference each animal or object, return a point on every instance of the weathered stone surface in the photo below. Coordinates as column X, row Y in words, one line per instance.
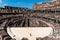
column 47, row 5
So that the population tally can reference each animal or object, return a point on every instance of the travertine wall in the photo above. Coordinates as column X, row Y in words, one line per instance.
column 47, row 5
column 9, row 9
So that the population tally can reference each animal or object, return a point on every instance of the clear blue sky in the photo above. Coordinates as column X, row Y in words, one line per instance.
column 20, row 3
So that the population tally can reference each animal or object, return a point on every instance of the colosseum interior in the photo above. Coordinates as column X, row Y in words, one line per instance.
column 42, row 22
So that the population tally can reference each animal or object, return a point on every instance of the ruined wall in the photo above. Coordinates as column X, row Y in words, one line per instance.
column 9, row 9
column 47, row 5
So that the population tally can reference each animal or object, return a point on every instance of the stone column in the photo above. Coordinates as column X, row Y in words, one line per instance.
column 0, row 37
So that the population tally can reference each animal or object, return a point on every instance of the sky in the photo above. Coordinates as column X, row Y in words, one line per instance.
column 20, row 3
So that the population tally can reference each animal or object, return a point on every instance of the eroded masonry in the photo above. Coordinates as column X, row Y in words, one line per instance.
column 45, row 14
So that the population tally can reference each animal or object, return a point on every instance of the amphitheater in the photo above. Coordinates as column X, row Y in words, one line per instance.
column 30, row 24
